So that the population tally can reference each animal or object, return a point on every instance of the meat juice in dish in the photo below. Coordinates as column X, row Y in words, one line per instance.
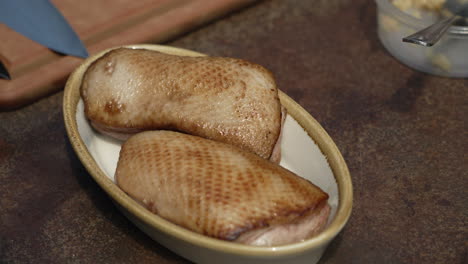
column 224, row 99
column 218, row 190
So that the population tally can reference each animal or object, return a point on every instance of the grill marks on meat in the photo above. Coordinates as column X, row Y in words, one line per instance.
column 224, row 99
column 219, row 190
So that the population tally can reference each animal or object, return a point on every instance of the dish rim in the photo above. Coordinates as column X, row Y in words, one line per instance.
column 304, row 119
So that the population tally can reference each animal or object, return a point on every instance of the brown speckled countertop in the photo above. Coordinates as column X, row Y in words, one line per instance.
column 401, row 132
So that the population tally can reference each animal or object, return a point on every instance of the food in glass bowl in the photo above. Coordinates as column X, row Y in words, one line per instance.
column 400, row 18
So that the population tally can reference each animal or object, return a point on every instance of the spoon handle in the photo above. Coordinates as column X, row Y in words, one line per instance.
column 430, row 35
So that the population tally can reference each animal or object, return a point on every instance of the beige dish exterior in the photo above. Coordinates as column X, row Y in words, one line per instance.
column 199, row 248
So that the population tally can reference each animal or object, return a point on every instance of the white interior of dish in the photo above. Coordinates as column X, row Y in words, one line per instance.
column 300, row 154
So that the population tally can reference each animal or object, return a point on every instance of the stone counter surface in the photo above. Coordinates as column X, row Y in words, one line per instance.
column 402, row 133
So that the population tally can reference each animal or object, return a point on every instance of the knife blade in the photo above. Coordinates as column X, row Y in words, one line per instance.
column 3, row 72
column 41, row 21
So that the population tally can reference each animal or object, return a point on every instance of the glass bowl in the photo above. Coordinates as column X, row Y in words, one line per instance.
column 448, row 57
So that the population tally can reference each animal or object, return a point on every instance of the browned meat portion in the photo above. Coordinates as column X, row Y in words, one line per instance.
column 219, row 190
column 223, row 99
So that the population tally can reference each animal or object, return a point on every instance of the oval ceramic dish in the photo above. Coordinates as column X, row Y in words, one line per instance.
column 306, row 149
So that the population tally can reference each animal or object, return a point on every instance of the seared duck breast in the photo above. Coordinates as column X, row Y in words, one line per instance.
column 224, row 99
column 219, row 190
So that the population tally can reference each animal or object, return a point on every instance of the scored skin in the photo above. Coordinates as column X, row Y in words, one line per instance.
column 229, row 100
column 215, row 189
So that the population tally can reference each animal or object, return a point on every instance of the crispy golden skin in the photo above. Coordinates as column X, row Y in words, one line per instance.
column 229, row 100
column 219, row 190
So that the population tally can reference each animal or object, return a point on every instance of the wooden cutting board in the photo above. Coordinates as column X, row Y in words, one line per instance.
column 37, row 71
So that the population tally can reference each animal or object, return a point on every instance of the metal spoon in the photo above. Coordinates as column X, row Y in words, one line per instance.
column 430, row 35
